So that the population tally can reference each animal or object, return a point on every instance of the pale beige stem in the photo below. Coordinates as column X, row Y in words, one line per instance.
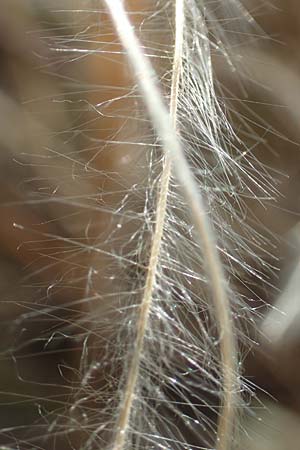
column 145, row 307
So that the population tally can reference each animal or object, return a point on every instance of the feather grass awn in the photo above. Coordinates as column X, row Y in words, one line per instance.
column 164, row 122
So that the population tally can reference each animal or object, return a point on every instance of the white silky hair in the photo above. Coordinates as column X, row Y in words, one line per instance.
column 165, row 242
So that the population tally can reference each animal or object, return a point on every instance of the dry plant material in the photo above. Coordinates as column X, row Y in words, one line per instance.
column 149, row 179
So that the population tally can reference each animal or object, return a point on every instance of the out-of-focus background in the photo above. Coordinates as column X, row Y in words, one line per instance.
column 46, row 117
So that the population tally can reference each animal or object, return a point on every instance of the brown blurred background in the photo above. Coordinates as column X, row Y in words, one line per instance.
column 51, row 174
